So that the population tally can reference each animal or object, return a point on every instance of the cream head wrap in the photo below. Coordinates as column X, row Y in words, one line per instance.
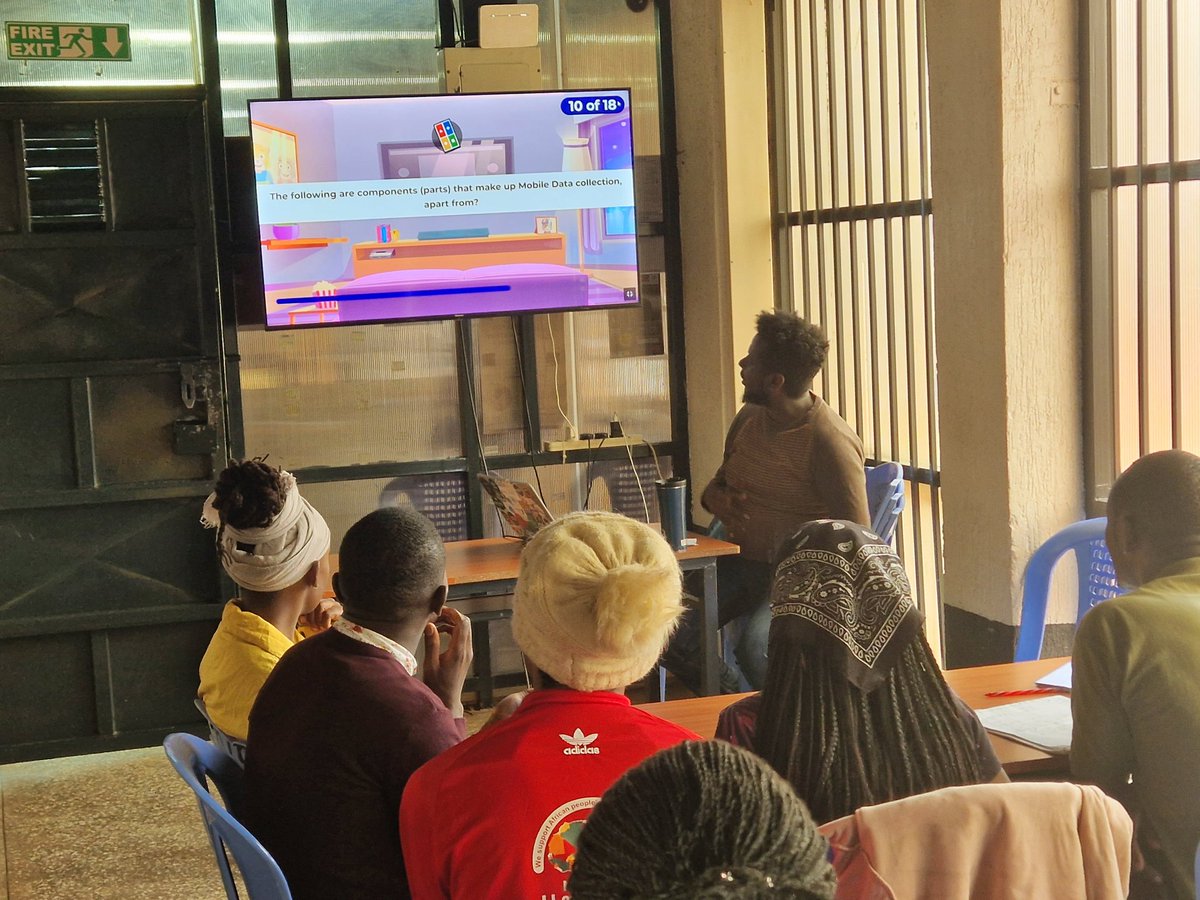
column 281, row 552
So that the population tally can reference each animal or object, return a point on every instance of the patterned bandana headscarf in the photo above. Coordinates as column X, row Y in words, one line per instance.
column 842, row 588
column 281, row 552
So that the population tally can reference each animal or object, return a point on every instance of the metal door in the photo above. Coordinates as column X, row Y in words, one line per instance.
column 112, row 416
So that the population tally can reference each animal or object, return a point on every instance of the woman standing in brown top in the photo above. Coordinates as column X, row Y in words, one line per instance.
column 789, row 459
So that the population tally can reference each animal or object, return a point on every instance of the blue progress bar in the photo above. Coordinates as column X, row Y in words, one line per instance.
column 385, row 295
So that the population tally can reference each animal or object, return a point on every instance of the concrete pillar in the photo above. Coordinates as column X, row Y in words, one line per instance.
column 1004, row 118
column 720, row 70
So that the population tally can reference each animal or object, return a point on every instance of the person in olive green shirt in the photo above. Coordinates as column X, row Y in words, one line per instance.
column 1135, row 694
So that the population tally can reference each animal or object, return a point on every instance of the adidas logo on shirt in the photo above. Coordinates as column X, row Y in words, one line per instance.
column 580, row 744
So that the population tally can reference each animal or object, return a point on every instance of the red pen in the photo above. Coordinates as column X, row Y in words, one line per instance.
column 1027, row 692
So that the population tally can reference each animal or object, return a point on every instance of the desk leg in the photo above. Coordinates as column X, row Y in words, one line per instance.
column 709, row 660
column 482, row 644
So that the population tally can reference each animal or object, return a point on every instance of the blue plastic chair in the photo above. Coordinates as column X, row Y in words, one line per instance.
column 1198, row 873
column 199, row 762
column 885, row 498
column 1097, row 580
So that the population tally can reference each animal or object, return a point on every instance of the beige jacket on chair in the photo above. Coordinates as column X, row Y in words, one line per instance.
column 1022, row 841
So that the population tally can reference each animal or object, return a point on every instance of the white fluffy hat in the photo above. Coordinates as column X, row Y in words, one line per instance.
column 598, row 596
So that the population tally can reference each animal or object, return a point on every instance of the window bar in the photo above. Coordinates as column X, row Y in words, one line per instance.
column 1173, row 233
column 906, row 231
column 852, row 227
column 877, row 394
column 1143, row 221
column 464, row 339
column 888, row 236
column 791, row 12
column 831, row 68
column 818, row 173
column 283, row 49
column 927, row 267
column 1110, row 299
column 1096, row 254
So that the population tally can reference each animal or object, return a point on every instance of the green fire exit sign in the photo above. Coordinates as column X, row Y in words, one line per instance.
column 68, row 40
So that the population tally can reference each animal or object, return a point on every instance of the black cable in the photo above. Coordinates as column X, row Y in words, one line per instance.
column 470, row 380
column 525, row 406
column 588, row 471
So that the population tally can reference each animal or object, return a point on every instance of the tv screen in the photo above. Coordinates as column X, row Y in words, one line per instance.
column 392, row 209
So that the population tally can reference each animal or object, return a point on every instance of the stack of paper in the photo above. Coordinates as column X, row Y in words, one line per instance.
column 1059, row 678
column 1044, row 723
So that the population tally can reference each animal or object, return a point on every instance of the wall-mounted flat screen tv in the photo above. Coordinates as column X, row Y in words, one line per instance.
column 393, row 209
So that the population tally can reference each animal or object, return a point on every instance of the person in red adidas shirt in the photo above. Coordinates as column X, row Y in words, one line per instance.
column 500, row 814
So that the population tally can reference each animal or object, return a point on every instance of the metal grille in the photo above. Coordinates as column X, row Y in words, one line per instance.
column 1141, row 156
column 63, row 175
column 853, row 116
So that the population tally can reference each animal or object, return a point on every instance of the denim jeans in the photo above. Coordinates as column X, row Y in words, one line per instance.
column 749, row 633
column 743, row 590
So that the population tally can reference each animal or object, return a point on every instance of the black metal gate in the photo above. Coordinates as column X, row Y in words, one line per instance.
column 112, row 416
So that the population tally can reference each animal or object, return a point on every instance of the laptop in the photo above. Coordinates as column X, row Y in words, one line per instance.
column 519, row 506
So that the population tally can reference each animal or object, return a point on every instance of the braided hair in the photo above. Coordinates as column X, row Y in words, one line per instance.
column 842, row 747
column 701, row 820
column 249, row 493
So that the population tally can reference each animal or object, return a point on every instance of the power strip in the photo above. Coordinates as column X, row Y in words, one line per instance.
column 628, row 440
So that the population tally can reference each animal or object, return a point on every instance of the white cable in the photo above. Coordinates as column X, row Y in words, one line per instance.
column 645, row 507
column 572, row 431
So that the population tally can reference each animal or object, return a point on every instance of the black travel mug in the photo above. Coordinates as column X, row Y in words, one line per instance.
column 672, row 502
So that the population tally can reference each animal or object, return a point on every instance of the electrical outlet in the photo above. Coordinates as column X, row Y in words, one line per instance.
column 629, row 440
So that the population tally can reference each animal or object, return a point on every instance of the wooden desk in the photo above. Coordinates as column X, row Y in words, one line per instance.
column 700, row 713
column 488, row 567
column 971, row 684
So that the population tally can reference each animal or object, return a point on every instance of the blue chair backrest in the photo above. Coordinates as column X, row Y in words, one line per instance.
column 1097, row 580
column 885, row 502
column 885, row 498
column 199, row 762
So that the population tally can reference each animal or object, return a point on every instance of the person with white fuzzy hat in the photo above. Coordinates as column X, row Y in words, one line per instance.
column 598, row 596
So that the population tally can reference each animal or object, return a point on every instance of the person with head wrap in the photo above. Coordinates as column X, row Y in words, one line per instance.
column 700, row 820
column 854, row 710
column 499, row 815
column 275, row 547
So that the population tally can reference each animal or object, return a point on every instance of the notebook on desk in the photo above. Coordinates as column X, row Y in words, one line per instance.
column 521, row 509
column 1044, row 723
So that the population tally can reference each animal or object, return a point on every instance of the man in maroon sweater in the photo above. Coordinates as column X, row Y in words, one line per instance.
column 342, row 722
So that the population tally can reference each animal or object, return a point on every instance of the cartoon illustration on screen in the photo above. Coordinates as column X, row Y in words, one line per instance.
column 506, row 203
column 275, row 154
column 286, row 172
column 447, row 135
column 261, row 173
